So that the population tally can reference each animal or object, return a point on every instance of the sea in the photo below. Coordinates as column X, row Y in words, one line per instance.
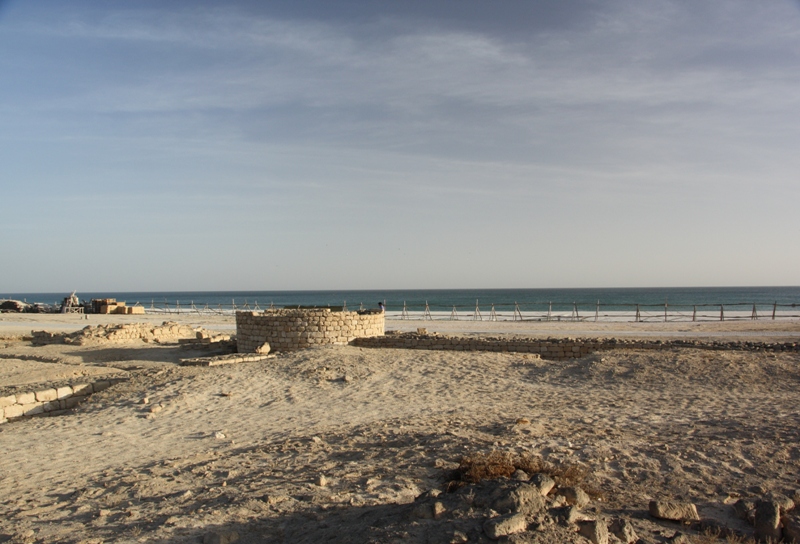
column 461, row 303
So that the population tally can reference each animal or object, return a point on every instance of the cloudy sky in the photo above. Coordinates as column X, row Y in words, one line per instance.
column 149, row 145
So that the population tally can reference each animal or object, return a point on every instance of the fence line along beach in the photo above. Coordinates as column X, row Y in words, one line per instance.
column 611, row 304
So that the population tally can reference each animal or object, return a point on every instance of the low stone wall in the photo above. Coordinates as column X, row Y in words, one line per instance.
column 296, row 329
column 168, row 331
column 51, row 401
column 553, row 348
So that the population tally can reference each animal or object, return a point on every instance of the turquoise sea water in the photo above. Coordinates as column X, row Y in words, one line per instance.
column 441, row 300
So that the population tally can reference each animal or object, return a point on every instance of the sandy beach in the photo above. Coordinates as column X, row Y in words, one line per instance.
column 346, row 444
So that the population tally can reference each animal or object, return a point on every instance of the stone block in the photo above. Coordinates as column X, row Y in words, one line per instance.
column 8, row 401
column 15, row 410
column 100, row 385
column 72, row 402
column 64, row 392
column 498, row 527
column 675, row 511
column 26, row 398
column 46, row 395
column 33, row 409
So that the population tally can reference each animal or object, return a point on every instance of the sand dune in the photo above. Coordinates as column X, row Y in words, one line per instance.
column 335, row 444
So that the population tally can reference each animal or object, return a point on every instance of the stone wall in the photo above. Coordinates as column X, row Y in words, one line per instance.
column 168, row 331
column 49, row 401
column 553, row 348
column 296, row 329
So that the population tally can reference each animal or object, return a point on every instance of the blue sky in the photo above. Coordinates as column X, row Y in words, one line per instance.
column 368, row 144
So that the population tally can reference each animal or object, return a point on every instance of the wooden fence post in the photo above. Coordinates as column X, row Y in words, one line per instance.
column 721, row 312
column 549, row 310
column 427, row 313
column 597, row 311
column 638, row 314
column 694, row 313
column 477, row 315
column 774, row 310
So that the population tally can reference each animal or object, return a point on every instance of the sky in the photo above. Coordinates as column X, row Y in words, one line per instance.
column 368, row 144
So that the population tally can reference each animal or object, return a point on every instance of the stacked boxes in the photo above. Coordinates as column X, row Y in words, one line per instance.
column 111, row 306
column 296, row 329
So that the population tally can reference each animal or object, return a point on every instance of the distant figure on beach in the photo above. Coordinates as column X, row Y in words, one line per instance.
column 381, row 306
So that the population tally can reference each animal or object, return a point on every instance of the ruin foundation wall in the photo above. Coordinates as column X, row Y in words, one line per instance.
column 287, row 330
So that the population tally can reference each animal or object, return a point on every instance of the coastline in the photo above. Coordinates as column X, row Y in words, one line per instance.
column 20, row 324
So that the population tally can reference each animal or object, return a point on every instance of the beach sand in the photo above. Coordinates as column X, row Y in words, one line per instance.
column 334, row 444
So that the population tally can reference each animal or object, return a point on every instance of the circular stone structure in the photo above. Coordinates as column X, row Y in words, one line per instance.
column 287, row 329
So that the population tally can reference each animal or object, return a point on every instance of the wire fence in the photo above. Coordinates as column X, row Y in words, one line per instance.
column 530, row 311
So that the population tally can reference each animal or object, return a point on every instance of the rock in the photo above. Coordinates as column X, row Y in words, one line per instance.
column 438, row 510
column 505, row 525
column 520, row 475
column 422, row 510
column 679, row 538
column 525, row 499
column 745, row 509
column 785, row 503
column 219, row 435
column 575, row 496
column 675, row 511
column 595, row 531
column 459, row 538
column 768, row 521
column 623, row 530
column 544, row 482
column 263, row 349
column 791, row 528
column 569, row 515
column 322, row 481
column 224, row 537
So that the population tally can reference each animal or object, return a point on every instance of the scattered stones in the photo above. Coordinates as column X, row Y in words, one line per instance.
column 623, row 530
column 595, row 531
column 675, row 511
column 524, row 499
column 322, row 480
column 520, row 475
column 226, row 537
column 543, row 482
column 745, row 509
column 768, row 521
column 505, row 525
column 791, row 528
column 574, row 496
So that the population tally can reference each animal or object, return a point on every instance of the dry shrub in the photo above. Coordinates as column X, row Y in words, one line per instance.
column 498, row 464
